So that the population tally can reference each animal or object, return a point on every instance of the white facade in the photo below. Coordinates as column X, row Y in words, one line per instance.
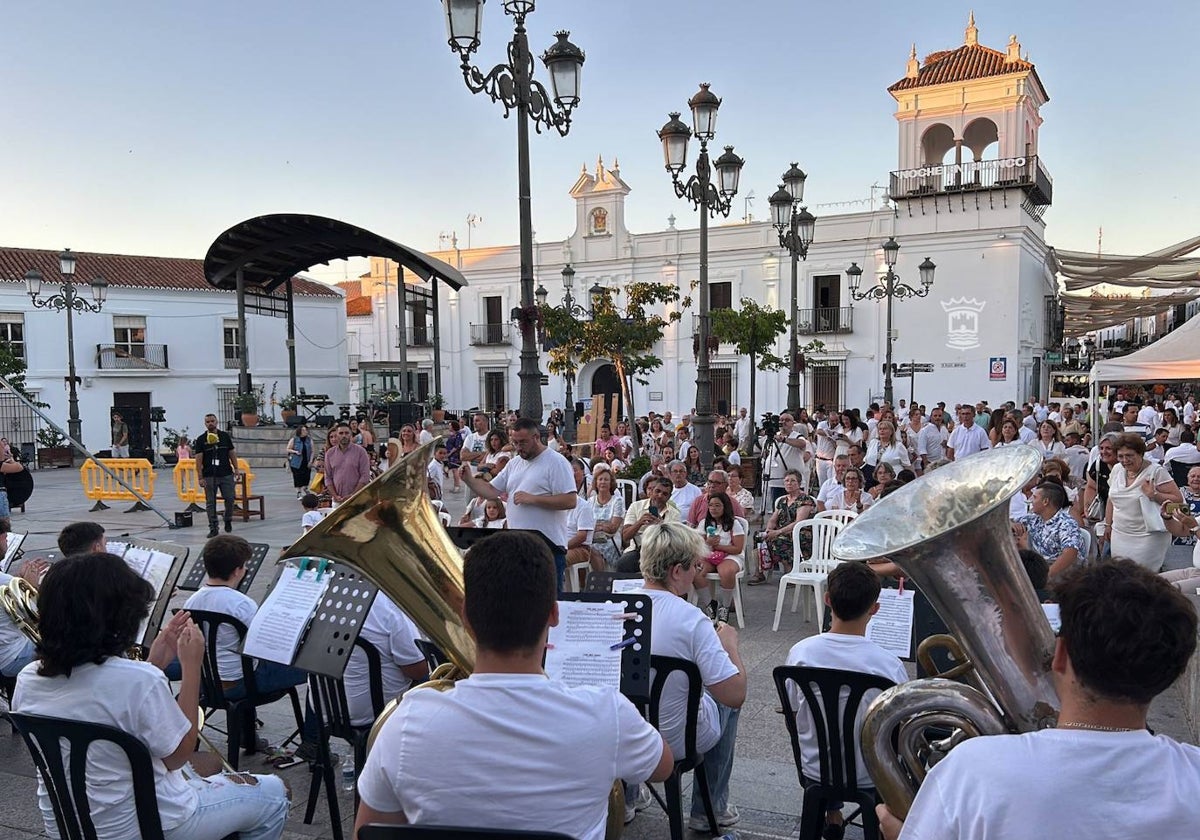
column 186, row 364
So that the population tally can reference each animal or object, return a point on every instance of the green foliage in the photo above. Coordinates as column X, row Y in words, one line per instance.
column 50, row 438
column 752, row 329
column 247, row 403
column 287, row 402
column 174, row 437
column 12, row 368
column 636, row 468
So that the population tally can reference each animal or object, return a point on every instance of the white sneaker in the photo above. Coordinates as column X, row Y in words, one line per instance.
column 644, row 800
column 724, row 820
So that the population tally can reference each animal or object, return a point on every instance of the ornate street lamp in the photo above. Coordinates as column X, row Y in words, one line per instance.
column 67, row 298
column 796, row 229
column 710, row 199
column 512, row 85
column 888, row 288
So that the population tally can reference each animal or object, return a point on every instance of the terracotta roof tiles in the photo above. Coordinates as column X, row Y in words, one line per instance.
column 358, row 306
column 970, row 61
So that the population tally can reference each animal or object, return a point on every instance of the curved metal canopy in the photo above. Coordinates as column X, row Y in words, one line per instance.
column 270, row 250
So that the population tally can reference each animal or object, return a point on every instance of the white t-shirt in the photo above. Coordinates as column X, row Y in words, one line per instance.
column 842, row 652
column 311, row 518
column 475, row 442
column 1148, row 415
column 1189, row 412
column 424, row 437
column 394, row 635
column 1060, row 783
column 581, row 518
column 511, row 750
column 786, row 457
column 967, row 440
column 835, row 499
column 436, row 472
column 226, row 600
column 12, row 640
column 134, row 697
column 827, row 487
column 931, row 442
column 725, row 537
column 685, row 495
column 1054, row 450
column 895, row 456
column 547, row 474
column 683, row 631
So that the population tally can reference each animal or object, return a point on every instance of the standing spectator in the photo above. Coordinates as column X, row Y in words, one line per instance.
column 426, row 434
column 885, row 447
column 217, row 468
column 1128, row 522
column 1049, row 441
column 967, row 438
column 347, row 466
column 300, row 456
column 931, row 440
column 474, row 447
column 1076, row 456
column 120, row 436
column 741, row 428
column 789, row 451
column 454, row 444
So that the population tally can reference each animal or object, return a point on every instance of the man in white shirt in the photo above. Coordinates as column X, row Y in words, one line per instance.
column 1100, row 772
column 683, row 492
column 581, row 523
column 826, row 440
column 540, row 487
column 1186, row 452
column 474, row 448
column 967, row 438
column 389, row 629
column 742, row 427
column 852, row 596
column 1076, row 455
column 1189, row 411
column 840, row 464
column 1148, row 416
column 788, row 451
column 472, row 757
column 931, row 440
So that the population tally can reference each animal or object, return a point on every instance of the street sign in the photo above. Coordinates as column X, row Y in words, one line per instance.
column 1053, row 357
column 913, row 367
column 902, row 374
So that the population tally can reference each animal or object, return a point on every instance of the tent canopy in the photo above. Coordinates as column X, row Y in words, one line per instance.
column 1174, row 357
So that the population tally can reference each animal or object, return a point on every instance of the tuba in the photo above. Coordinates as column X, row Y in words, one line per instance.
column 19, row 600
column 950, row 534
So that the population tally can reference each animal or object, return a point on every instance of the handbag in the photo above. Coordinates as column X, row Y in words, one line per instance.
column 1095, row 511
column 1151, row 515
column 317, row 485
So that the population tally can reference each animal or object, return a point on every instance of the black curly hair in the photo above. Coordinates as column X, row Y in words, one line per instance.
column 89, row 608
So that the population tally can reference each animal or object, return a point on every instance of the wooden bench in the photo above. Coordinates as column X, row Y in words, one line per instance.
column 245, row 504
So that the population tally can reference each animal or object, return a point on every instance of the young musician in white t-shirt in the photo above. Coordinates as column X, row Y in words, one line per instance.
column 507, row 746
column 91, row 606
column 852, row 596
column 394, row 635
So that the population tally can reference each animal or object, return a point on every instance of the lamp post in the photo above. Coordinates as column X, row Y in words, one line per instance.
column 888, row 288
column 796, row 229
column 67, row 298
column 573, row 309
column 512, row 84
column 709, row 199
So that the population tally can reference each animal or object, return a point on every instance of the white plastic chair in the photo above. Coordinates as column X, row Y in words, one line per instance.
column 714, row 578
column 572, row 582
column 810, row 571
column 1085, row 556
column 842, row 516
column 629, row 489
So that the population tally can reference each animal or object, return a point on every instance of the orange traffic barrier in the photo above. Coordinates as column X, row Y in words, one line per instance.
column 100, row 486
column 190, row 490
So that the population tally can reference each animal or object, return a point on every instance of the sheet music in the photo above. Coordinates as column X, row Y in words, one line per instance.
column 117, row 548
column 14, row 545
column 1051, row 611
column 580, row 651
column 280, row 622
column 891, row 628
column 620, row 587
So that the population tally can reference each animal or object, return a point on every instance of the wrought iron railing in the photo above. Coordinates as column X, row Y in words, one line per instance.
column 131, row 357
column 825, row 319
column 1027, row 173
column 491, row 334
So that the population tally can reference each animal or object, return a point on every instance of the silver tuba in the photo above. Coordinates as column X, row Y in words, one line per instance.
column 950, row 534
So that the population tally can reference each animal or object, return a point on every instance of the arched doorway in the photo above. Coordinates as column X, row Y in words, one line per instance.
column 606, row 384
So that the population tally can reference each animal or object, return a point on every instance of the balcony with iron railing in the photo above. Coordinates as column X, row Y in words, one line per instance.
column 491, row 335
column 417, row 339
column 825, row 320
column 1025, row 173
column 136, row 357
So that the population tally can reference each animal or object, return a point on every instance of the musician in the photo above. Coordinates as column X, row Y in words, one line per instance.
column 506, row 746
column 852, row 596
column 81, row 538
column 1126, row 636
column 217, row 467
column 394, row 635
column 90, row 608
column 16, row 650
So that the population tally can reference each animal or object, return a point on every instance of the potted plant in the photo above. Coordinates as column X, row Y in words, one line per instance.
column 436, row 403
column 171, row 442
column 53, row 449
column 247, row 405
column 287, row 407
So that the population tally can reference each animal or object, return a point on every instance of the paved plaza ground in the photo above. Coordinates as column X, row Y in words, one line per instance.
column 764, row 785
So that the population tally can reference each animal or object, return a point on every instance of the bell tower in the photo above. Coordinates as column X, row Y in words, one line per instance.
column 970, row 113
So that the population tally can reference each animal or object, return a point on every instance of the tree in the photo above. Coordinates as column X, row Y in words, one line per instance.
column 12, row 368
column 627, row 338
column 752, row 329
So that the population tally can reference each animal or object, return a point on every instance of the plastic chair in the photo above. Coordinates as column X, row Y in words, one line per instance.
column 842, row 516
column 661, row 668
column 715, row 577
column 328, row 696
column 450, row 832
column 240, row 713
column 1085, row 555
column 628, row 488
column 72, row 810
column 836, row 733
column 811, row 571
column 432, row 653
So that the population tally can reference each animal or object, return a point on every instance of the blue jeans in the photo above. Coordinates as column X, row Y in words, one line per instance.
column 718, row 764
column 256, row 812
column 560, row 568
column 5, row 510
column 22, row 659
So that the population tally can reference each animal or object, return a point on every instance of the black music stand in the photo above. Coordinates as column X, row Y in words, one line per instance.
column 635, row 659
column 466, row 537
column 196, row 575
column 13, row 552
column 603, row 581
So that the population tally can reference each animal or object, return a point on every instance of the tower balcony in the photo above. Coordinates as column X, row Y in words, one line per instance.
column 1025, row 173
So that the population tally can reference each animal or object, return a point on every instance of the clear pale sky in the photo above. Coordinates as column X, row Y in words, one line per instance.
column 149, row 127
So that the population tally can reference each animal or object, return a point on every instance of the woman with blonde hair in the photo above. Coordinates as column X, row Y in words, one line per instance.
column 886, row 448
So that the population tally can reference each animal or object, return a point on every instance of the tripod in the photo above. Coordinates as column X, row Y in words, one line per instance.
column 771, row 455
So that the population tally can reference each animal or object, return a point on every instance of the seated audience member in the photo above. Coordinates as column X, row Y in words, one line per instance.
column 656, row 508
column 725, row 537
column 683, row 492
column 494, row 515
column 16, row 649
column 82, row 538
column 1049, row 529
column 1037, row 569
column 394, row 635
column 841, row 463
column 91, row 606
column 718, row 482
column 670, row 560
column 852, row 596
column 1100, row 772
column 850, row 494
column 225, row 557
column 504, row 747
column 581, row 523
column 1186, row 451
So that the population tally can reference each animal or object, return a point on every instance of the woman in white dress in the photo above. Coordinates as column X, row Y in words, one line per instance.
column 1049, row 441
column 1134, row 479
column 846, row 433
column 608, row 506
column 1010, row 435
column 886, row 448
column 850, row 495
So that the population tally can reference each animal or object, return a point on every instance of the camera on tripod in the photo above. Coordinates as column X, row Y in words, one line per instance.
column 769, row 425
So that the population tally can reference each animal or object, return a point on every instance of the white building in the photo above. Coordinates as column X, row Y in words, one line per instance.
column 164, row 337
column 968, row 191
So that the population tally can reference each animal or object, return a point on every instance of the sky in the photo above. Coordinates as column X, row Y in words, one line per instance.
column 149, row 127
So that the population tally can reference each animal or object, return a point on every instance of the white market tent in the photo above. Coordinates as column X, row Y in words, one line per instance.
column 1173, row 358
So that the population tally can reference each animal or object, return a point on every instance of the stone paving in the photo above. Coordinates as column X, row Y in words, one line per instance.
column 764, row 785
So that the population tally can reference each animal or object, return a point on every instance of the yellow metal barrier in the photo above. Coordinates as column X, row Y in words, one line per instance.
column 190, row 490
column 100, row 486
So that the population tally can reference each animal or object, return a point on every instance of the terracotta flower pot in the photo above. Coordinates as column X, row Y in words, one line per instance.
column 249, row 420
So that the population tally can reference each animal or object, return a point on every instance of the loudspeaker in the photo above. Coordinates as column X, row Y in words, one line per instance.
column 323, row 421
column 158, row 414
column 183, row 519
column 295, row 421
column 402, row 414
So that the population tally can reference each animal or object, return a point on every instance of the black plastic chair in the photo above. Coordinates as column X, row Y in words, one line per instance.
column 1179, row 472
column 240, row 714
column 446, row 832
column 328, row 696
column 72, row 810
column 691, row 760
column 434, row 656
column 822, row 688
